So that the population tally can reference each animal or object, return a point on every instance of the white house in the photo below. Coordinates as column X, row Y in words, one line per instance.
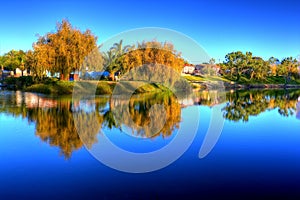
column 188, row 69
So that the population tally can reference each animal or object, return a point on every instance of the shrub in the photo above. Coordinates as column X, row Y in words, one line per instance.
column 39, row 88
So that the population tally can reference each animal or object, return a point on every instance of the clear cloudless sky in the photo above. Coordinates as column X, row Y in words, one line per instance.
column 266, row 28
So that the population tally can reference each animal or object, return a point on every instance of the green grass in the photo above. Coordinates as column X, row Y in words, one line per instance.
column 98, row 88
column 268, row 80
column 67, row 87
column 105, row 87
column 39, row 88
column 56, row 87
column 243, row 80
column 204, row 79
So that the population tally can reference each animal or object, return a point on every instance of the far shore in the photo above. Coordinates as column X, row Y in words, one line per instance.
column 257, row 86
column 106, row 87
column 252, row 86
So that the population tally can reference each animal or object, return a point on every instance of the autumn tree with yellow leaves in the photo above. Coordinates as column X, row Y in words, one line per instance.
column 63, row 51
column 120, row 58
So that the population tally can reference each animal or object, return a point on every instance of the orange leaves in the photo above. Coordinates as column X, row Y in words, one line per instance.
column 65, row 50
column 153, row 52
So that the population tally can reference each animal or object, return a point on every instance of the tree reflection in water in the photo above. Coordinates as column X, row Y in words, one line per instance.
column 54, row 118
column 243, row 104
column 298, row 108
column 149, row 115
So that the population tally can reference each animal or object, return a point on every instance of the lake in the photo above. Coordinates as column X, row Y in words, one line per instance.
column 242, row 144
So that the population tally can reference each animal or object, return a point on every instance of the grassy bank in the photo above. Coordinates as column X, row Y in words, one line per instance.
column 244, row 82
column 56, row 87
column 100, row 87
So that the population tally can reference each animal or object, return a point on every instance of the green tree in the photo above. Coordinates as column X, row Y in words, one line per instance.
column 2, row 62
column 113, row 58
column 13, row 60
column 259, row 68
column 288, row 69
column 238, row 63
column 243, row 104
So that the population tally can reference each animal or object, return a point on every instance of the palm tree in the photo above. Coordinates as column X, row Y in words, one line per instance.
column 21, row 56
column 119, row 49
column 110, row 60
column 112, row 57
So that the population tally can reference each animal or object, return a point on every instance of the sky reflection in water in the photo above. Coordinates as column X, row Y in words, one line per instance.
column 256, row 154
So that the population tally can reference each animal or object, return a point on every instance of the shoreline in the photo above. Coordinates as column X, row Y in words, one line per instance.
column 261, row 86
column 249, row 86
column 106, row 87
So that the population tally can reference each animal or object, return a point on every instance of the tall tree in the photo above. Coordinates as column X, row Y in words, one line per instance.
column 2, row 62
column 65, row 50
column 259, row 68
column 273, row 62
column 238, row 63
column 14, row 59
column 288, row 68
column 152, row 52
column 113, row 58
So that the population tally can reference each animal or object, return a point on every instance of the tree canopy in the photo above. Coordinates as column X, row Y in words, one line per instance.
column 63, row 51
column 238, row 64
column 124, row 58
column 13, row 59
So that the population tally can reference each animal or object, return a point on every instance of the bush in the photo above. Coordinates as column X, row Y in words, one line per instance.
column 39, row 88
column 48, row 80
column 19, row 82
column 104, row 87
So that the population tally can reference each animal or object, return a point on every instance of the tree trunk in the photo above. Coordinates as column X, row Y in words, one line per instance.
column 238, row 77
column 252, row 74
column 112, row 76
column 64, row 77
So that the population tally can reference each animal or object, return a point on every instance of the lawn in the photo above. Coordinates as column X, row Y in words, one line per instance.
column 192, row 78
column 243, row 80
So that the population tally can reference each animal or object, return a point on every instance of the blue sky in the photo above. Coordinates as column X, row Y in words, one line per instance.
column 267, row 28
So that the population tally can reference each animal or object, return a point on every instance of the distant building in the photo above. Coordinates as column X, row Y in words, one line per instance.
column 15, row 73
column 73, row 76
column 18, row 72
column 4, row 74
column 188, row 69
column 32, row 100
column 201, row 69
column 52, row 75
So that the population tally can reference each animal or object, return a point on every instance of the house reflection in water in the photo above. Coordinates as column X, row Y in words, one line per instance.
column 208, row 98
column 32, row 100
column 298, row 108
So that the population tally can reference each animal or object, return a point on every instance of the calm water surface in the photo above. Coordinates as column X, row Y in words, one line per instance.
column 256, row 155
